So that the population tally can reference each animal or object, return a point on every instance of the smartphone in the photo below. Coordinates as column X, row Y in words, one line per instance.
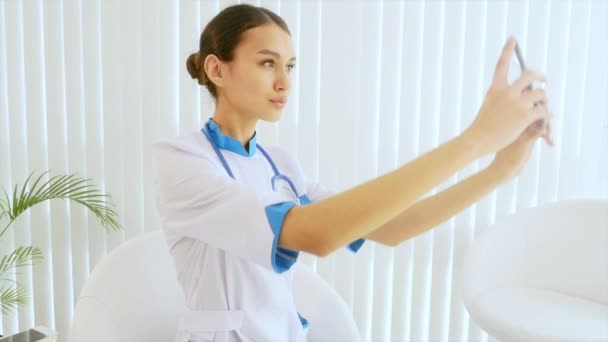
column 522, row 65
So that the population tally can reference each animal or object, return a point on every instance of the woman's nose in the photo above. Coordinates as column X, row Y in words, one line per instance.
column 283, row 81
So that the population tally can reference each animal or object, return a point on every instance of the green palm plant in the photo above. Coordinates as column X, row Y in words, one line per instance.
column 68, row 187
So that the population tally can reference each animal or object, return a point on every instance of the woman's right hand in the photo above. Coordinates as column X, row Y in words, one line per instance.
column 508, row 109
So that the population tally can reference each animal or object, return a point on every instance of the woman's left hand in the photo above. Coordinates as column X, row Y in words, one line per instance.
column 510, row 160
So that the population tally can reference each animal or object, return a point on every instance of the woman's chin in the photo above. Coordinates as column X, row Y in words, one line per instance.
column 272, row 116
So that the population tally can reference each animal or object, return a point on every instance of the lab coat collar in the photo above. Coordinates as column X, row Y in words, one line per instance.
column 228, row 143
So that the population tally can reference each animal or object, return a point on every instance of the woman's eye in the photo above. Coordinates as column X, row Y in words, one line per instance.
column 291, row 67
column 268, row 63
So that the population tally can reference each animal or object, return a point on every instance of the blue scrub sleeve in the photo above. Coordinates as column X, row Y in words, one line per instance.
column 355, row 246
column 282, row 259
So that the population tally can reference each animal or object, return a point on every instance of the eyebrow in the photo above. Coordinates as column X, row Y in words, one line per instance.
column 275, row 54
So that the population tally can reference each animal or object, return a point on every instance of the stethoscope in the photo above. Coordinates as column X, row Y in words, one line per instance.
column 277, row 175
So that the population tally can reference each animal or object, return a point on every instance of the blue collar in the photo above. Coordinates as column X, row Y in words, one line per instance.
column 228, row 143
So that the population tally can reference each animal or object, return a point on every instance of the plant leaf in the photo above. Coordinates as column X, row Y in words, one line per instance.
column 67, row 187
column 20, row 257
column 11, row 297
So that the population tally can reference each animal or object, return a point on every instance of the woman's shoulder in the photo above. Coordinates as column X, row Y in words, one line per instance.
column 184, row 157
column 192, row 143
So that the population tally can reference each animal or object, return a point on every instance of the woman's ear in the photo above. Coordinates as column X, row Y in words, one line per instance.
column 213, row 69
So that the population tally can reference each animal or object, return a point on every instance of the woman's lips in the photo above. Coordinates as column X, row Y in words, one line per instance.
column 278, row 103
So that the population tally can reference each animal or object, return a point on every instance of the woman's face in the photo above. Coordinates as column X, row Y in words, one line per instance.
column 258, row 81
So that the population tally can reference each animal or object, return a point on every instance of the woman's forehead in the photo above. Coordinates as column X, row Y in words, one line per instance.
column 267, row 40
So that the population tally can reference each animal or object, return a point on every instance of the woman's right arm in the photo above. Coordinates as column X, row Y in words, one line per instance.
column 329, row 224
column 326, row 225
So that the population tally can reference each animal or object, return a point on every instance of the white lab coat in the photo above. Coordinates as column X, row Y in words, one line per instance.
column 237, row 282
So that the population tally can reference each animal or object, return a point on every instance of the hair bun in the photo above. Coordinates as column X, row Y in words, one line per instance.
column 193, row 64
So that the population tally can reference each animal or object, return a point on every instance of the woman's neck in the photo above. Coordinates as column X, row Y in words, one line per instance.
column 236, row 125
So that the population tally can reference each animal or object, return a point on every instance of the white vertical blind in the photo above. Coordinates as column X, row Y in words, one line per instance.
column 86, row 86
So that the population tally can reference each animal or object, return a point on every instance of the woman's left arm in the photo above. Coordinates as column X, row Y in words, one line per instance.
column 432, row 211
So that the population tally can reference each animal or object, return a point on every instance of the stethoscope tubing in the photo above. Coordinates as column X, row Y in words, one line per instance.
column 277, row 174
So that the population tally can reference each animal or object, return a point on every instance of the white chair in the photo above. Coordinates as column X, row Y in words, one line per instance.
column 542, row 274
column 133, row 295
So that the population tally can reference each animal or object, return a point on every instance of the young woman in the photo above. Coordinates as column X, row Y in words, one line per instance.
column 236, row 213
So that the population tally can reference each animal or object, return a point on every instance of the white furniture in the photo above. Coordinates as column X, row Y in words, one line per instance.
column 37, row 334
column 133, row 295
column 542, row 274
